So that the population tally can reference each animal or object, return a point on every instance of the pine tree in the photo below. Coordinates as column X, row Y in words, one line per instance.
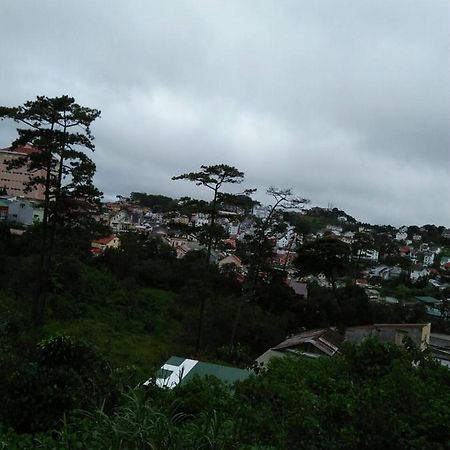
column 59, row 130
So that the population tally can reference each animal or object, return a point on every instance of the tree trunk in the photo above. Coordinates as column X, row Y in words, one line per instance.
column 51, row 244
column 211, row 228
column 36, row 315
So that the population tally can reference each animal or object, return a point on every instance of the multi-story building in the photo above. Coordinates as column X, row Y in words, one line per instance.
column 14, row 181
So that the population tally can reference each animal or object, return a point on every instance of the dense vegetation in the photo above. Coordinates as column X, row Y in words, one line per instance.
column 371, row 397
column 138, row 306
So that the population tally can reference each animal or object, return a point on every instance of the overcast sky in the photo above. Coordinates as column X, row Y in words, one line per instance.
column 344, row 101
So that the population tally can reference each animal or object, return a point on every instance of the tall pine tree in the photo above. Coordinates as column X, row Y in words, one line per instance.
column 59, row 129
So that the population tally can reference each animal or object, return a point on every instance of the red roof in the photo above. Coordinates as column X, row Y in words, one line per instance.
column 104, row 240
column 447, row 266
column 96, row 251
column 24, row 150
column 230, row 241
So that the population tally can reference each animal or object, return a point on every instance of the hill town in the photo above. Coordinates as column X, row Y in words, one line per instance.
column 185, row 323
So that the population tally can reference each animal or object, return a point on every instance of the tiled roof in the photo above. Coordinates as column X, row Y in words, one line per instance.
column 325, row 339
column 104, row 240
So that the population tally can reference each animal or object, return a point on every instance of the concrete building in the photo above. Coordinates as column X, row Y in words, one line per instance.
column 419, row 333
column 24, row 212
column 15, row 180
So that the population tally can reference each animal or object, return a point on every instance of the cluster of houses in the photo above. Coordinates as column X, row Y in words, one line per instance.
column 325, row 343
column 178, row 230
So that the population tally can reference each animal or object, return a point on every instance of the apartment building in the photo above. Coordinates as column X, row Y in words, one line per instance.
column 15, row 180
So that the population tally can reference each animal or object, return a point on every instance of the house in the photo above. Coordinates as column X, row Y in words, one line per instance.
column 327, row 341
column 230, row 259
column 175, row 241
column 428, row 258
column 121, row 221
column 368, row 254
column 177, row 370
column 98, row 246
column 313, row 343
column 183, row 220
column 394, row 333
column 418, row 272
column 183, row 244
column 440, row 347
column 200, row 219
column 386, row 272
column 347, row 237
column 24, row 212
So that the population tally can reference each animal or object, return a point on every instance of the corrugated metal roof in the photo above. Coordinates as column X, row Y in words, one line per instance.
column 325, row 339
column 178, row 370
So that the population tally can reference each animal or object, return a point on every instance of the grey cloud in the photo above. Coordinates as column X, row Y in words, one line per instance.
column 342, row 101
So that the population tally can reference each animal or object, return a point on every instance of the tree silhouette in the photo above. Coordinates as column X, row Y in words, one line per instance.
column 261, row 248
column 213, row 178
column 59, row 130
column 328, row 256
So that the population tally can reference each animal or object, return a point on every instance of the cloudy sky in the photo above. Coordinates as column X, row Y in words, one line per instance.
column 344, row 101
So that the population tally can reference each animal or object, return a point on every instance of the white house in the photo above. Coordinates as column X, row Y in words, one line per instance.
column 428, row 258
column 401, row 236
column 200, row 219
column 368, row 254
column 418, row 273
column 121, row 221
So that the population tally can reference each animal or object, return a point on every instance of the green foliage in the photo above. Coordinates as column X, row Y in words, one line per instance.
column 327, row 256
column 157, row 203
column 371, row 396
column 59, row 374
column 61, row 168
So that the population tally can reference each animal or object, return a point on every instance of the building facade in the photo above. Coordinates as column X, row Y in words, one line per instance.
column 14, row 181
